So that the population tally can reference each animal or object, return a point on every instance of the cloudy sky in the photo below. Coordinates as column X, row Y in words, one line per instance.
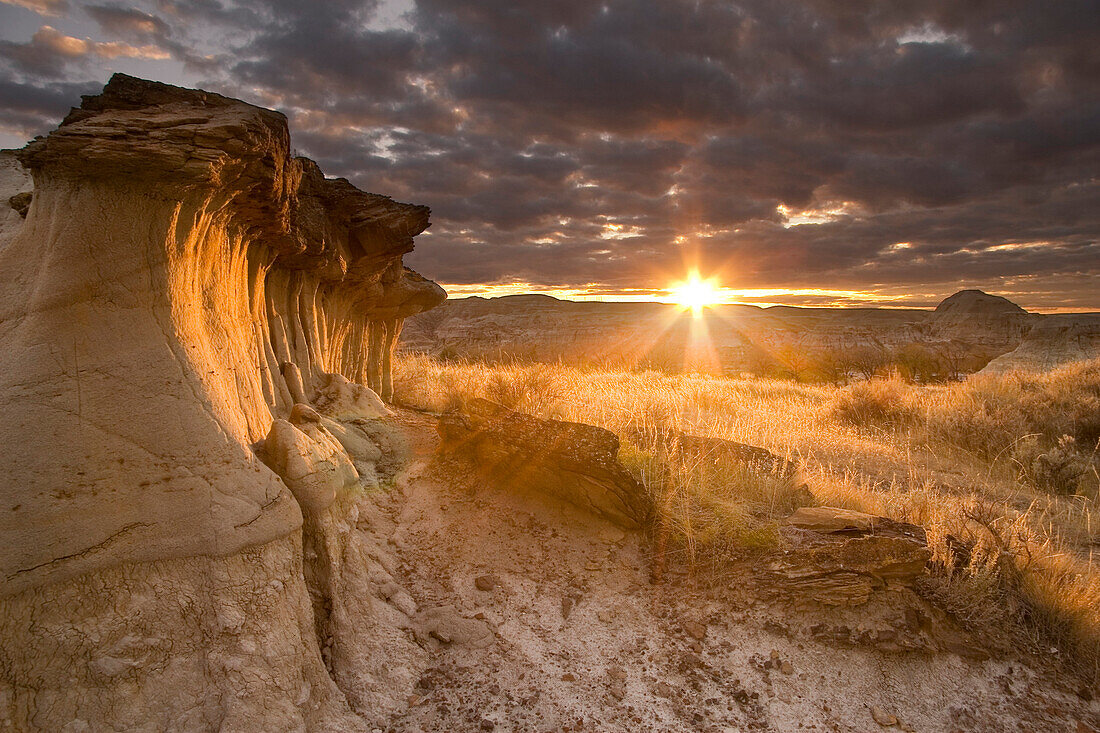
column 824, row 151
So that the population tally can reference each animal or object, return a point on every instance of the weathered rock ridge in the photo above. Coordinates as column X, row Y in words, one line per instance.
column 178, row 289
column 1051, row 343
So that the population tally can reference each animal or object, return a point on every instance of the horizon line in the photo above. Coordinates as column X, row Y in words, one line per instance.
column 859, row 300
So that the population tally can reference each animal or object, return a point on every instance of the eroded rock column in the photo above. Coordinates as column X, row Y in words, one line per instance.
column 391, row 332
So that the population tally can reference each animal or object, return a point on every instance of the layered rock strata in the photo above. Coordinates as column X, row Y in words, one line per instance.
column 838, row 557
column 1054, row 342
column 181, row 288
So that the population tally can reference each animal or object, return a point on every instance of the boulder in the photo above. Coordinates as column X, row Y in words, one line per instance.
column 575, row 463
column 844, row 573
column 720, row 450
column 447, row 625
column 834, row 520
column 308, row 459
column 342, row 399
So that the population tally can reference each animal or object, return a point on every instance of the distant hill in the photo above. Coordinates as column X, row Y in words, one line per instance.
column 969, row 329
column 975, row 303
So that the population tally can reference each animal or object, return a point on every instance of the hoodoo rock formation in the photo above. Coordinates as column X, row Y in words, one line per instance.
column 180, row 281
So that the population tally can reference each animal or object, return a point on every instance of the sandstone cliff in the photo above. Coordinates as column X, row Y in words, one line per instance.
column 180, row 280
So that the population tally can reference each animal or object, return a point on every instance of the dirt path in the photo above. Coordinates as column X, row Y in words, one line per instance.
column 537, row 617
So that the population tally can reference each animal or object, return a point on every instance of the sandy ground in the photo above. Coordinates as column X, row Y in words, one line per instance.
column 538, row 617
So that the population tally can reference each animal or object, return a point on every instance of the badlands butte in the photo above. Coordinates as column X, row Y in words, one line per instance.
column 215, row 517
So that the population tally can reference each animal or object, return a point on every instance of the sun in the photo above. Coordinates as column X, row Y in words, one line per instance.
column 695, row 293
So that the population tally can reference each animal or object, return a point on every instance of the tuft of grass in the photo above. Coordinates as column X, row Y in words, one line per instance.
column 531, row 389
column 710, row 509
column 886, row 403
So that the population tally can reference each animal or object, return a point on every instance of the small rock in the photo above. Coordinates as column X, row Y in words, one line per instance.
column 617, row 688
column 828, row 519
column 485, row 583
column 605, row 615
column 487, row 724
column 569, row 677
column 786, row 668
column 695, row 630
column 567, row 604
column 663, row 689
column 612, row 534
column 447, row 625
column 882, row 717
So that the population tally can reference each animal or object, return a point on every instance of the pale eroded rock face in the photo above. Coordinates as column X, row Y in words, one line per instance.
column 179, row 282
column 174, row 257
column 982, row 319
column 306, row 456
column 15, row 194
column 1053, row 342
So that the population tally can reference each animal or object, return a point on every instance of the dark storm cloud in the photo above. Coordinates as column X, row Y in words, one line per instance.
column 39, row 107
column 129, row 23
column 915, row 146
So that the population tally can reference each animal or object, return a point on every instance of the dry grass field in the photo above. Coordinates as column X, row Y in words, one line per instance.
column 1000, row 471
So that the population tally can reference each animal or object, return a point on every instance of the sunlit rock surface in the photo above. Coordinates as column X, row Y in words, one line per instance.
column 174, row 256
column 177, row 282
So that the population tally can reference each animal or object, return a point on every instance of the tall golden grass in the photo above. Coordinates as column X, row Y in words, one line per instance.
column 953, row 459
